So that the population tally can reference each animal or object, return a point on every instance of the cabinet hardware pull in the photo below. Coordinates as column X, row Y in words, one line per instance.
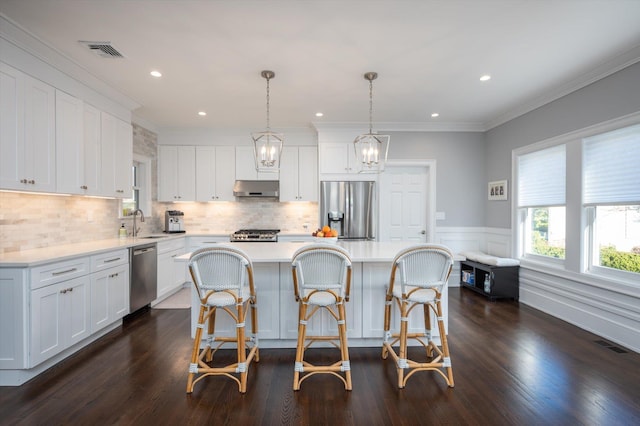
column 23, row 181
column 63, row 291
column 112, row 260
column 64, row 272
column 84, row 187
column 32, row 182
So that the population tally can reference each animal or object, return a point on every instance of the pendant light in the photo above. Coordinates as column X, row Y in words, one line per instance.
column 267, row 144
column 371, row 148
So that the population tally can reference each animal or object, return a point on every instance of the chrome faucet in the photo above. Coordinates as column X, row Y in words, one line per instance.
column 135, row 228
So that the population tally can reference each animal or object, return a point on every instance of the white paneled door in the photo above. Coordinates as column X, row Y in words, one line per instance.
column 404, row 204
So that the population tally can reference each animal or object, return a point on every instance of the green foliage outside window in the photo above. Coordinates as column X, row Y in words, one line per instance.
column 612, row 258
column 541, row 246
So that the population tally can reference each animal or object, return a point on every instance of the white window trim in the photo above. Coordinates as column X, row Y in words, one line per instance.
column 624, row 282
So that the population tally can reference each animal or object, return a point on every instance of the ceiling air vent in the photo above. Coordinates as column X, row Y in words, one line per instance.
column 103, row 49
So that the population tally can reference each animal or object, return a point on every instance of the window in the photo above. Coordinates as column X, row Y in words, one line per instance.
column 129, row 205
column 611, row 197
column 541, row 202
column 141, row 189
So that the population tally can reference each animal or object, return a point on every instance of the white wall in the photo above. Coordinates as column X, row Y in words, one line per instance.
column 460, row 180
column 607, row 308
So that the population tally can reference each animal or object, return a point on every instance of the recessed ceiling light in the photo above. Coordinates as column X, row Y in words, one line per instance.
column 435, row 114
column 155, row 73
column 485, row 77
column 319, row 114
column 202, row 113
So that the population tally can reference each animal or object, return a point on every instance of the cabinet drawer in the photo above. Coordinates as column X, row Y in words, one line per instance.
column 201, row 242
column 171, row 245
column 60, row 271
column 109, row 259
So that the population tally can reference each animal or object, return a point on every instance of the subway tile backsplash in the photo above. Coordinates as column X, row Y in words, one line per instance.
column 29, row 221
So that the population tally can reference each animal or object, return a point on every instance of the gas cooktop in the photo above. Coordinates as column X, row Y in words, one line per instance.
column 255, row 235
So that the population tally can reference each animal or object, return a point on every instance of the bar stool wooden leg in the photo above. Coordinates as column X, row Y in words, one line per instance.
column 193, row 368
column 387, row 325
column 445, row 344
column 402, row 361
column 210, row 331
column 254, row 326
column 427, row 327
column 344, row 348
column 241, row 345
column 302, row 329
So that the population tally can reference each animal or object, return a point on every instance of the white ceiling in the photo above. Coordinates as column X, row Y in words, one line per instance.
column 429, row 56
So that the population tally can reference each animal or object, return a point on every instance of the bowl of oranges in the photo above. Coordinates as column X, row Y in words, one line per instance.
column 325, row 235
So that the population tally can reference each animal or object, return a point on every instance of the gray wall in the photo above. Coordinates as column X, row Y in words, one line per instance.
column 614, row 96
column 460, row 180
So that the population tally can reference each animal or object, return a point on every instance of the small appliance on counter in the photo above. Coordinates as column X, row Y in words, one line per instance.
column 174, row 222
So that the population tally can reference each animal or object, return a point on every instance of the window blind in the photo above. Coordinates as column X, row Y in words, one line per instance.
column 541, row 177
column 611, row 164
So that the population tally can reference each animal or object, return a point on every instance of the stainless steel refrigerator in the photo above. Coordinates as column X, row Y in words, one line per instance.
column 348, row 208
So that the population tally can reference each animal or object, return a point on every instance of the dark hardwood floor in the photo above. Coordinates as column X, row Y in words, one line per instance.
column 513, row 365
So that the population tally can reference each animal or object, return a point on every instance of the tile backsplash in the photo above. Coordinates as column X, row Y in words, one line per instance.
column 29, row 221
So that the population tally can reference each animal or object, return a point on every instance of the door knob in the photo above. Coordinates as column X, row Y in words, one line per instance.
column 423, row 232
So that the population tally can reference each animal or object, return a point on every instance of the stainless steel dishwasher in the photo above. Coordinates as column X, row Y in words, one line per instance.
column 144, row 271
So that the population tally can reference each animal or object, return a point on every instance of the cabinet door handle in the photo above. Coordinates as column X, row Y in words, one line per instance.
column 84, row 187
column 112, row 260
column 23, row 181
column 64, row 272
column 32, row 182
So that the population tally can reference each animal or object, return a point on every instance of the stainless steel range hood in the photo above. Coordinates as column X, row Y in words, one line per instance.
column 257, row 188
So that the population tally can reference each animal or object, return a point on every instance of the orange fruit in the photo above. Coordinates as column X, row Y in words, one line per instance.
column 334, row 232
column 326, row 229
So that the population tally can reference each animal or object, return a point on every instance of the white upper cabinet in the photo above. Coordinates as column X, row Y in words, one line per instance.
column 299, row 174
column 176, row 173
column 92, row 150
column 215, row 173
column 69, row 144
column 116, row 157
column 246, row 166
column 27, row 132
column 337, row 158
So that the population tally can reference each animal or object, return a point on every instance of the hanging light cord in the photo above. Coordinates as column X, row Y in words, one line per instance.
column 268, row 126
column 370, row 105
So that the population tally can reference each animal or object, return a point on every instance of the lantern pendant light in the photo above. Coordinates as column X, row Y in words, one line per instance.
column 371, row 148
column 267, row 144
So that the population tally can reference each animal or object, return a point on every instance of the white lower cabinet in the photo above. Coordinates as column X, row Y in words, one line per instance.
column 109, row 296
column 60, row 318
column 171, row 274
column 73, row 299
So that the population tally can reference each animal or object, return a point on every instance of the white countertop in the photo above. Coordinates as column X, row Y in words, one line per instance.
column 361, row 251
column 40, row 256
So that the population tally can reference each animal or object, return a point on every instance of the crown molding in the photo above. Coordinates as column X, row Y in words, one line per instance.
column 15, row 34
column 603, row 70
column 400, row 127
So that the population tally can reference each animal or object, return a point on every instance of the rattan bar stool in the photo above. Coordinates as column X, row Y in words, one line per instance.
column 223, row 277
column 423, row 271
column 321, row 279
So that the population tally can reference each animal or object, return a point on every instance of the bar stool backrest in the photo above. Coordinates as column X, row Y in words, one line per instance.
column 322, row 267
column 425, row 266
column 220, row 268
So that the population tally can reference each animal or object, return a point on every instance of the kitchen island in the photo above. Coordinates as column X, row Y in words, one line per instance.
column 57, row 300
column 278, row 310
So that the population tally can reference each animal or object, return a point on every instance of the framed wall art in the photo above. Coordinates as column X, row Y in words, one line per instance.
column 498, row 190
